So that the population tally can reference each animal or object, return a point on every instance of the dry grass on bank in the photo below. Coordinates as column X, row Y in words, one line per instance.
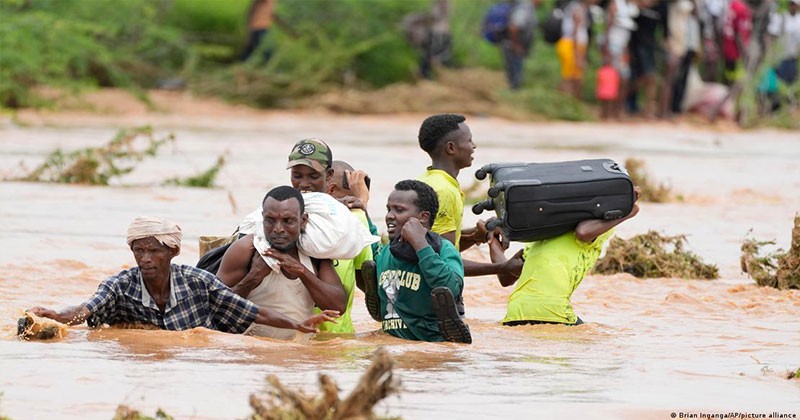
column 466, row 91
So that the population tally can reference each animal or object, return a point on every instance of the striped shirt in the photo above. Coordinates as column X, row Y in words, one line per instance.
column 197, row 299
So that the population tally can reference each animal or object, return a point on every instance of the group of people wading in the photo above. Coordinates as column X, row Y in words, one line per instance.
column 267, row 284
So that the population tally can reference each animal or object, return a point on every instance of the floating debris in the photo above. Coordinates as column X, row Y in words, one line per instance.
column 202, row 180
column 33, row 327
column 778, row 269
column 376, row 384
column 653, row 255
column 98, row 165
column 126, row 413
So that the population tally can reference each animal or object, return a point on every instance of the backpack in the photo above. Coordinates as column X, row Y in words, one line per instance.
column 495, row 23
column 551, row 27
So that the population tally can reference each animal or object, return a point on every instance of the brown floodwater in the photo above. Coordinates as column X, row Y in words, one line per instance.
column 649, row 347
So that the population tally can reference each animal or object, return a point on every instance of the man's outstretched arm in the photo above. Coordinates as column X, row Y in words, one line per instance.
column 73, row 315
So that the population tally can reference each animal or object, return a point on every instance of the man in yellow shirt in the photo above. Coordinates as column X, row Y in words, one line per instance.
column 552, row 270
column 448, row 141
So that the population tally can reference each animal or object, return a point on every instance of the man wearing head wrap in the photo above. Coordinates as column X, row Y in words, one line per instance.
column 171, row 296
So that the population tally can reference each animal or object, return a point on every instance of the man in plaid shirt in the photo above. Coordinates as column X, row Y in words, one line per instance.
column 171, row 296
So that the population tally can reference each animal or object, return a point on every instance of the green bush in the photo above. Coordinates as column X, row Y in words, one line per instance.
column 64, row 45
column 324, row 45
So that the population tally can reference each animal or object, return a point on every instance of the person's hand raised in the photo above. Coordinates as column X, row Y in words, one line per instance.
column 358, row 185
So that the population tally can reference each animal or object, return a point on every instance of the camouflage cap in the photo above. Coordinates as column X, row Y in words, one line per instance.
column 311, row 152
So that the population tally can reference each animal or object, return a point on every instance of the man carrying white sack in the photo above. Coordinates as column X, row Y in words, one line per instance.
column 171, row 296
column 334, row 230
column 294, row 283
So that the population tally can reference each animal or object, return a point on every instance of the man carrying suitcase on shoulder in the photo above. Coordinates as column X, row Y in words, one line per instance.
column 552, row 270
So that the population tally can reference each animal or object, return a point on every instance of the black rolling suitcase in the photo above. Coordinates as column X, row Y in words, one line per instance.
column 536, row 201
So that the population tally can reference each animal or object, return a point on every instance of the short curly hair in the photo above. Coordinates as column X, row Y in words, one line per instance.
column 436, row 128
column 283, row 193
column 426, row 196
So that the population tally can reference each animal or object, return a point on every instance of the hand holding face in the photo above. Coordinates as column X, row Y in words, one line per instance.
column 414, row 233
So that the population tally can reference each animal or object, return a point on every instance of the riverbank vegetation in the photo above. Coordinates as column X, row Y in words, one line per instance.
column 345, row 56
column 101, row 165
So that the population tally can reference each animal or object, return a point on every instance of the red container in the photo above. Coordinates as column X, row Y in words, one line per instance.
column 607, row 83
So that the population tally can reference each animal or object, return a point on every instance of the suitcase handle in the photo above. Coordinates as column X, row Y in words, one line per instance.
column 614, row 167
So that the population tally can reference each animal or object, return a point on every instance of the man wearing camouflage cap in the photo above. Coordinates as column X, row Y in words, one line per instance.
column 310, row 164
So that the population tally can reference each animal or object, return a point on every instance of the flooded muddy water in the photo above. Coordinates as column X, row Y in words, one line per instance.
column 649, row 347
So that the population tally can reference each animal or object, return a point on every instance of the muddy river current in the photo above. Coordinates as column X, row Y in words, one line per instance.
column 649, row 348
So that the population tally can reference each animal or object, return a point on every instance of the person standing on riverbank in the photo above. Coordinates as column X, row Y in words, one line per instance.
column 518, row 44
column 260, row 18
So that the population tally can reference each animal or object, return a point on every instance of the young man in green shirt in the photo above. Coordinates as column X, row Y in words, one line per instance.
column 418, row 273
column 552, row 270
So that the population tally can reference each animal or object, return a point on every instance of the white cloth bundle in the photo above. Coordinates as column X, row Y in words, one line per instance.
column 332, row 231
